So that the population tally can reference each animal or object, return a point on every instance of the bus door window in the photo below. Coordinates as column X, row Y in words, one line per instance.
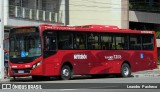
column 50, row 43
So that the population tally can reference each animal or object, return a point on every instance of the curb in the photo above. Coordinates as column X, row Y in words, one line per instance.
column 146, row 75
column 5, row 80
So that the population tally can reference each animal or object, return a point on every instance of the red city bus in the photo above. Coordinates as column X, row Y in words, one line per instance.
column 64, row 51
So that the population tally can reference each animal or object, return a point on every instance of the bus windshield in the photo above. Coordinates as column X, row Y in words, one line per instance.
column 24, row 43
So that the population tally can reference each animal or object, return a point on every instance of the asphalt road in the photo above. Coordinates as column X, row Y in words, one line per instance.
column 86, row 84
column 86, row 79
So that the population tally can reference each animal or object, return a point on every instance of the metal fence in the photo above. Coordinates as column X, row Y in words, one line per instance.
column 32, row 14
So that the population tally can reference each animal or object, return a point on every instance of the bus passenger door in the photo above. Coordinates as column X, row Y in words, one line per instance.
column 50, row 44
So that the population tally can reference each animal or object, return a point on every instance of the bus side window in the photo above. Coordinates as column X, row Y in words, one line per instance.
column 119, row 42
column 135, row 42
column 148, row 42
column 93, row 41
column 65, row 40
column 106, row 42
column 79, row 41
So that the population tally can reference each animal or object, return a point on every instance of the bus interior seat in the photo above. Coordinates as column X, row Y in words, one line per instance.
column 82, row 46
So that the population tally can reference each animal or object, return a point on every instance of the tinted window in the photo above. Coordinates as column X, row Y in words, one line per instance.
column 135, row 42
column 107, row 42
column 148, row 42
column 65, row 40
column 93, row 41
column 79, row 41
column 121, row 42
column 50, row 43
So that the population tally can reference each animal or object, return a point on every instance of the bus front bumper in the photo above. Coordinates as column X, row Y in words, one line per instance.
column 20, row 72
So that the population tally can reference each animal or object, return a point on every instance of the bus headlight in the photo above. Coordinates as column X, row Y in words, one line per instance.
column 35, row 65
column 38, row 63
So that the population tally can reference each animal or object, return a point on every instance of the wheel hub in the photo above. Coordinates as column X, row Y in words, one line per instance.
column 126, row 71
column 66, row 72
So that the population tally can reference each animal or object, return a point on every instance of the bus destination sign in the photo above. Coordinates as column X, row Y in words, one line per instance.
column 25, row 30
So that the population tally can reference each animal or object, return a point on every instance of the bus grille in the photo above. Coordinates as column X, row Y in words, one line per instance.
column 21, row 71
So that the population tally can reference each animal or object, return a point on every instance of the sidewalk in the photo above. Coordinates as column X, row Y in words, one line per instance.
column 4, row 80
column 148, row 73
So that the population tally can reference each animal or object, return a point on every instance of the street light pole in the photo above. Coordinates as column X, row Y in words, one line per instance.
column 1, row 39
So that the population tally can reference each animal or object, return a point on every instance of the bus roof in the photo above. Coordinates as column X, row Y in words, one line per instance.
column 91, row 28
column 94, row 28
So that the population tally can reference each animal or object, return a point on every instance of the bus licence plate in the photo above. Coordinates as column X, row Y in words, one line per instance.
column 20, row 71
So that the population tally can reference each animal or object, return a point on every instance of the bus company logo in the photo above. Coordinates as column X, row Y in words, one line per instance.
column 80, row 56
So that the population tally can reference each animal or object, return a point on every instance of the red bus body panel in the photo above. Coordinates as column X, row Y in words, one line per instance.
column 90, row 61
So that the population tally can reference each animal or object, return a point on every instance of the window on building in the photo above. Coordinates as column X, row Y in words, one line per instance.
column 132, row 1
column 44, row 5
column 12, row 2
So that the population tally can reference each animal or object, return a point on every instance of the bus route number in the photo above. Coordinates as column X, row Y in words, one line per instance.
column 117, row 56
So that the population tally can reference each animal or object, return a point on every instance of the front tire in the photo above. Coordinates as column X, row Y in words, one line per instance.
column 66, row 73
column 125, row 70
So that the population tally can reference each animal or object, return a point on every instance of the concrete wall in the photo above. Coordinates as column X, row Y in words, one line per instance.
column 108, row 12
column 146, row 17
column 125, row 14
column 19, row 22
column 158, row 42
column 5, row 12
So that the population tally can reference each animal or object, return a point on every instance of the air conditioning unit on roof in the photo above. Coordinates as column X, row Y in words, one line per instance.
column 100, row 26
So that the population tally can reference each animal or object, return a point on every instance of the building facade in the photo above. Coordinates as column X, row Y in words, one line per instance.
column 145, row 15
column 32, row 12
column 110, row 12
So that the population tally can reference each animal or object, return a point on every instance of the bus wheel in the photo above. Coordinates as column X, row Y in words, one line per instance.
column 66, row 73
column 125, row 70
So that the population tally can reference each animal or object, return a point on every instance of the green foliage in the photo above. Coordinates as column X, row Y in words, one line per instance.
column 158, row 34
column 159, row 59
